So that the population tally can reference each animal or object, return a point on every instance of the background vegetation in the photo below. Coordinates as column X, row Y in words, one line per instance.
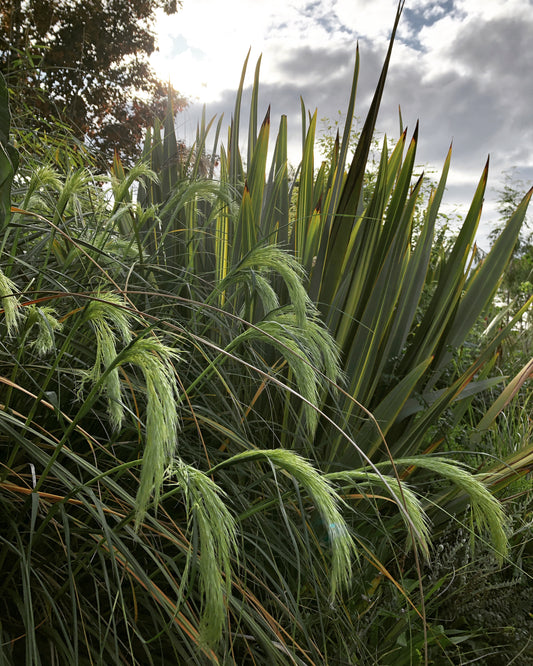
column 84, row 66
column 247, row 418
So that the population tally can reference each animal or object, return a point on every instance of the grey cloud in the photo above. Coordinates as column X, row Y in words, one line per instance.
column 500, row 47
column 487, row 109
column 323, row 77
column 316, row 66
column 500, row 57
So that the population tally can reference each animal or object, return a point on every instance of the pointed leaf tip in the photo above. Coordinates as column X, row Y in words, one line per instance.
column 414, row 140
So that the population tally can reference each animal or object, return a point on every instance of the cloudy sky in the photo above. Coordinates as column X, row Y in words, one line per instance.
column 463, row 68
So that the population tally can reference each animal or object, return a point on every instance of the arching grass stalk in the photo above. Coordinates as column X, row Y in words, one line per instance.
column 129, row 216
column 486, row 509
column 324, row 497
column 308, row 349
column 76, row 183
column 269, row 258
column 155, row 360
column 37, row 401
column 42, row 180
column 105, row 314
column 411, row 502
column 45, row 319
column 10, row 303
column 216, row 529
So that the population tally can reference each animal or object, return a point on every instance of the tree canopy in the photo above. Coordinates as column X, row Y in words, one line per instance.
column 86, row 62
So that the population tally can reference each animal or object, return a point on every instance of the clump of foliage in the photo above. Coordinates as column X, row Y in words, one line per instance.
column 221, row 413
column 85, row 64
column 517, row 282
column 485, row 609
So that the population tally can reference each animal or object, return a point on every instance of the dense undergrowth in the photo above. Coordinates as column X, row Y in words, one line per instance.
column 253, row 419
